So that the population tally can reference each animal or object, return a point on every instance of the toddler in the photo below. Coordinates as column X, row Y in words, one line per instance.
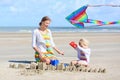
column 83, row 52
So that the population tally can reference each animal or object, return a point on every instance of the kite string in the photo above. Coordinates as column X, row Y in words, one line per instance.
column 112, row 5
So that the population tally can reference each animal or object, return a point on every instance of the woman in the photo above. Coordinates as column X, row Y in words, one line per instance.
column 42, row 42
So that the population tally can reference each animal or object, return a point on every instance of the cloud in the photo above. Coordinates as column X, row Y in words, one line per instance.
column 11, row 6
column 13, row 9
column 79, row 3
column 117, row 2
column 92, row 2
column 58, row 7
column 5, row 2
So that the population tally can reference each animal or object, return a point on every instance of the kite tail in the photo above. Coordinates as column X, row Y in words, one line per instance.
column 114, row 22
column 101, row 22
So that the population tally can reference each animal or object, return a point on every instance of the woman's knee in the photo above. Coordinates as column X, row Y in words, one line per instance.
column 47, row 61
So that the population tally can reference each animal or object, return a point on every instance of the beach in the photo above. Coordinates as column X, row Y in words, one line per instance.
column 105, row 53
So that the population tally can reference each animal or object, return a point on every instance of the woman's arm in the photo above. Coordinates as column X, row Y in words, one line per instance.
column 53, row 45
column 37, row 50
column 58, row 51
column 34, row 39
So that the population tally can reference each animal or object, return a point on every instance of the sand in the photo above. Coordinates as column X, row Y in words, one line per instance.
column 105, row 54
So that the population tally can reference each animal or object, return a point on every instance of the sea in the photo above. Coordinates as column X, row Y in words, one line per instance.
column 27, row 29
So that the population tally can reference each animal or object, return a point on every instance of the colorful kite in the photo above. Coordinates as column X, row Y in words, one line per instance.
column 79, row 17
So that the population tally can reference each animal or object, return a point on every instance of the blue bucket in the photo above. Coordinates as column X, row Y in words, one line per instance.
column 54, row 62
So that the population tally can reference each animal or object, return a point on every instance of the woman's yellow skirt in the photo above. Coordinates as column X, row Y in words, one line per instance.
column 45, row 55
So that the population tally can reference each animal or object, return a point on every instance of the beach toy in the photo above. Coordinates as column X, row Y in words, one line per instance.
column 54, row 62
column 66, row 64
column 73, row 44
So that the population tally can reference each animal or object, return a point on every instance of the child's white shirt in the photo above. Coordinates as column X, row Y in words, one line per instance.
column 86, row 52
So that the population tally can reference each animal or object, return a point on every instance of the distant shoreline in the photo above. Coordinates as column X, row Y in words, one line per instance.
column 61, row 29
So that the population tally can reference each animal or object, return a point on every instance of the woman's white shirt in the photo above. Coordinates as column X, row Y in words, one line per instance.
column 38, row 41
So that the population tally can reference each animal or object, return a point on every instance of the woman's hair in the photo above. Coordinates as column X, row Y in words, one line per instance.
column 45, row 18
column 83, row 42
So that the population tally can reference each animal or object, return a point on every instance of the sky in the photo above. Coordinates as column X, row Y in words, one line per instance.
column 29, row 12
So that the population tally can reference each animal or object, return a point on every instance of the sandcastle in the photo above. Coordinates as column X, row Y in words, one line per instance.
column 36, row 68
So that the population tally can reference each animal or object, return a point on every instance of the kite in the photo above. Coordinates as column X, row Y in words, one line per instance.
column 79, row 17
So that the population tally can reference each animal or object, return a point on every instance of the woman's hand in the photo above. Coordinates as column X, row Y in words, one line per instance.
column 61, row 52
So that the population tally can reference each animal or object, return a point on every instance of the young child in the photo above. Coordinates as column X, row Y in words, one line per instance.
column 83, row 52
